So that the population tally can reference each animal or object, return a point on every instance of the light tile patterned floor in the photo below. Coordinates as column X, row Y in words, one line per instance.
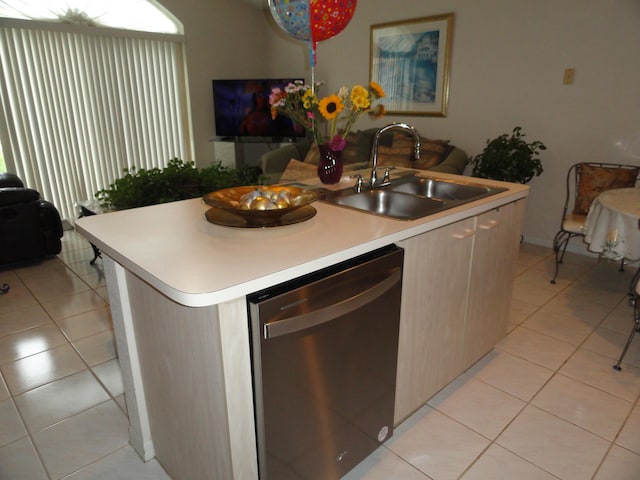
column 545, row 404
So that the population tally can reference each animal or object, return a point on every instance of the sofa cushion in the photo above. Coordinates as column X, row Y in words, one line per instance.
column 454, row 162
column 297, row 171
column 594, row 180
column 400, row 153
column 313, row 155
column 451, row 159
column 365, row 143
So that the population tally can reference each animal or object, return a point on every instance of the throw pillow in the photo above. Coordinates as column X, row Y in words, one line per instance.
column 350, row 152
column 594, row 180
column 297, row 170
column 365, row 143
column 400, row 153
column 313, row 155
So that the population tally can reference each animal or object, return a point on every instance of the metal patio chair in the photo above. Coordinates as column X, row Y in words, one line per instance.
column 583, row 184
column 635, row 302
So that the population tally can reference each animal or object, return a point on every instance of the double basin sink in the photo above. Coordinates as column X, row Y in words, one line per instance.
column 411, row 197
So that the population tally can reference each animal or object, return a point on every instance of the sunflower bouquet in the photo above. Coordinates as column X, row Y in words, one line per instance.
column 330, row 118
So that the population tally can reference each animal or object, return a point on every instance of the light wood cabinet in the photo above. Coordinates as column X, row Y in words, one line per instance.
column 457, row 286
column 493, row 268
column 434, row 284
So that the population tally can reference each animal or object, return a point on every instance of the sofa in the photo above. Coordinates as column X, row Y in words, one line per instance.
column 30, row 227
column 395, row 148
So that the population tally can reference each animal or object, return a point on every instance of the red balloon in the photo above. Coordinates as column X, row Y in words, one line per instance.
column 329, row 17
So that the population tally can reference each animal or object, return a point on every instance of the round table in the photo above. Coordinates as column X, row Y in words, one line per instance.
column 612, row 227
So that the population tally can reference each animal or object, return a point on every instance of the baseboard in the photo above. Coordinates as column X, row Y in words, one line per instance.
column 576, row 246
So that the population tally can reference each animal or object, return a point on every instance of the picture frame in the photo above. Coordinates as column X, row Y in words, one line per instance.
column 411, row 61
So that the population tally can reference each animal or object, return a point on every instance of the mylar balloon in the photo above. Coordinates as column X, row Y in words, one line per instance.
column 330, row 17
column 312, row 20
column 293, row 17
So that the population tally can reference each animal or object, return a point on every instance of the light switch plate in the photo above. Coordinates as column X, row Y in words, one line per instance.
column 568, row 76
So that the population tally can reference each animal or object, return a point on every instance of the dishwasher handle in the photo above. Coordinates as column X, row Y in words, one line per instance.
column 326, row 314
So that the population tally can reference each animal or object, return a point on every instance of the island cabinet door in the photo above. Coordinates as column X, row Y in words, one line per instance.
column 434, row 293
column 495, row 256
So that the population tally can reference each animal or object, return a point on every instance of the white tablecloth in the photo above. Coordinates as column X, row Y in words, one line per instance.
column 612, row 224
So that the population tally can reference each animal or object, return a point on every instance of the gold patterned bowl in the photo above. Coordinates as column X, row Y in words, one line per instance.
column 229, row 209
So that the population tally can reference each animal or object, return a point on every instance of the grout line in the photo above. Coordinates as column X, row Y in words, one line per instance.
column 522, row 269
column 28, row 435
column 82, row 359
column 553, row 375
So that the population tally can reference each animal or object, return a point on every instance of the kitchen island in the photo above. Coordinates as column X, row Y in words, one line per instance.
column 177, row 287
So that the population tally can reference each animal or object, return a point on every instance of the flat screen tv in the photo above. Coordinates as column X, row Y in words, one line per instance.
column 242, row 111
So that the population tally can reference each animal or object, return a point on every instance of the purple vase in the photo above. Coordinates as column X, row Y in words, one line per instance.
column 330, row 164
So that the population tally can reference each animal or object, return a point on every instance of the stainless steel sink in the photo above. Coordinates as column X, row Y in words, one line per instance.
column 443, row 190
column 408, row 198
column 388, row 203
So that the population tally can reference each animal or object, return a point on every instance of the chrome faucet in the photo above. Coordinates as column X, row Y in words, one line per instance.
column 374, row 151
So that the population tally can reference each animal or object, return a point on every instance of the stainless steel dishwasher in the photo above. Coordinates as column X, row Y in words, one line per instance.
column 325, row 350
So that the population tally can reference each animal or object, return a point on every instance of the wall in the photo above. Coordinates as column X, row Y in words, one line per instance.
column 507, row 66
column 224, row 39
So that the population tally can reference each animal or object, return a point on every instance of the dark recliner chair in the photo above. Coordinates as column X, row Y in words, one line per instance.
column 30, row 228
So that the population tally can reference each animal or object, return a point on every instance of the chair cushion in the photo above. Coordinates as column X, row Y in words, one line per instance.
column 595, row 180
column 574, row 223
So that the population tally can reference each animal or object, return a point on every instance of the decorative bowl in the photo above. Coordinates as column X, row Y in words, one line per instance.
column 228, row 210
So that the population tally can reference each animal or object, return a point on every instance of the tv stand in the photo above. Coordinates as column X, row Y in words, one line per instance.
column 238, row 152
column 259, row 139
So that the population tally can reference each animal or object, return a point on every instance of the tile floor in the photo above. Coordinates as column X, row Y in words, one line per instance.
column 545, row 404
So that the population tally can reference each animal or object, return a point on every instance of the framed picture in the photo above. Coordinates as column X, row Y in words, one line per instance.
column 411, row 62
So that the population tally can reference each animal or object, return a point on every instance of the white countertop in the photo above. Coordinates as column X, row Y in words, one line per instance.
column 196, row 263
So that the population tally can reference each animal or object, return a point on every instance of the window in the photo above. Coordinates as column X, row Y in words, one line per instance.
column 78, row 103
column 125, row 14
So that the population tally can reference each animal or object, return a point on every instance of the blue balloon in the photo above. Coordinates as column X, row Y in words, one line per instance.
column 293, row 16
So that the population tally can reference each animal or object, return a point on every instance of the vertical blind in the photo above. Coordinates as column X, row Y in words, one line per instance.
column 78, row 107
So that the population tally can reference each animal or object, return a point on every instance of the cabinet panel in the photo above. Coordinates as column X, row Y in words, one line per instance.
column 197, row 381
column 456, row 295
column 495, row 254
column 436, row 269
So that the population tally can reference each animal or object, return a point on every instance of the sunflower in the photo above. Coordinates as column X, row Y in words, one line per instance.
column 378, row 112
column 309, row 99
column 377, row 90
column 360, row 97
column 330, row 119
column 330, row 106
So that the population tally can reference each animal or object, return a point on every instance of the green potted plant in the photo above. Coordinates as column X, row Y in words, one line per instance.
column 509, row 158
column 179, row 180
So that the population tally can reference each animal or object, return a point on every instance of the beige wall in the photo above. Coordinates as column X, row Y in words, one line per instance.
column 507, row 65
column 224, row 39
